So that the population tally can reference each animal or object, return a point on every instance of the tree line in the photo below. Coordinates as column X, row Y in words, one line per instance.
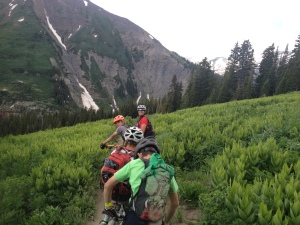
column 277, row 73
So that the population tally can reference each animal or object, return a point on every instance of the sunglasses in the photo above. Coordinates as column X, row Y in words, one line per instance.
column 150, row 149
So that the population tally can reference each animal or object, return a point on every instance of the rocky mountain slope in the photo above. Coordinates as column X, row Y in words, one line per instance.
column 73, row 53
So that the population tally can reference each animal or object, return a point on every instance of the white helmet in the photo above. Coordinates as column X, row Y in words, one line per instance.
column 141, row 107
column 134, row 134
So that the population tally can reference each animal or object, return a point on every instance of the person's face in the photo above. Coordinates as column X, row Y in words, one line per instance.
column 118, row 123
column 141, row 112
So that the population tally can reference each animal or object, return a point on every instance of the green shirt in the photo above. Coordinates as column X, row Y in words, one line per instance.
column 133, row 171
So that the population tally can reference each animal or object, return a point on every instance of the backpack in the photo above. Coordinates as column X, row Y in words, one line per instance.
column 149, row 129
column 117, row 159
column 150, row 200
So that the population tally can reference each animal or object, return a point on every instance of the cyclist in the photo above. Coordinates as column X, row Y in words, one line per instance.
column 132, row 171
column 119, row 121
column 143, row 122
column 132, row 137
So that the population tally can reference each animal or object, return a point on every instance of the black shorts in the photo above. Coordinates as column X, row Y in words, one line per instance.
column 132, row 219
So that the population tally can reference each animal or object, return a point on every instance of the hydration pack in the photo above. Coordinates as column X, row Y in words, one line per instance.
column 117, row 159
column 149, row 129
column 150, row 201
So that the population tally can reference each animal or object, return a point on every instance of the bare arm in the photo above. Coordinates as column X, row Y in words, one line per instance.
column 143, row 127
column 108, row 187
column 110, row 137
column 174, row 203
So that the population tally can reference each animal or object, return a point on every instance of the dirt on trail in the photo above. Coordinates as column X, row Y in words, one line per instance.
column 184, row 215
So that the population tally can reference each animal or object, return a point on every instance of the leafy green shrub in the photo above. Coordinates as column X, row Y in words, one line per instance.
column 14, row 193
column 236, row 160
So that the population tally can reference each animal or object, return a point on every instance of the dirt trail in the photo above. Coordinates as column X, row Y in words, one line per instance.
column 100, row 206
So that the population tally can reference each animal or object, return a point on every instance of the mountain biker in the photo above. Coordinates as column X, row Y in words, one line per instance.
column 132, row 137
column 119, row 121
column 143, row 122
column 132, row 171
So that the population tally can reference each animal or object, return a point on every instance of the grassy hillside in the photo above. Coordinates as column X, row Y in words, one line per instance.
column 245, row 154
column 25, row 48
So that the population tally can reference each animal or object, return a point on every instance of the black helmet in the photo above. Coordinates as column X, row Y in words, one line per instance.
column 144, row 143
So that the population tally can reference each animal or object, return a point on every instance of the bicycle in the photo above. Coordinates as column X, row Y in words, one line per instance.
column 119, row 208
column 119, row 203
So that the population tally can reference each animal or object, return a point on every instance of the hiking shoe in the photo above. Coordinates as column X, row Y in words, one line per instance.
column 103, row 222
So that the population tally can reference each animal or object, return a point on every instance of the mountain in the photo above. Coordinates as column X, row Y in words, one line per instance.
column 75, row 54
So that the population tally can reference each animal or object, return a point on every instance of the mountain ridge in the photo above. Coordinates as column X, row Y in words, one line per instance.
column 111, row 57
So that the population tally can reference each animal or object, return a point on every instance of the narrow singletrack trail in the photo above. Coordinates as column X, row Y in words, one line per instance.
column 100, row 206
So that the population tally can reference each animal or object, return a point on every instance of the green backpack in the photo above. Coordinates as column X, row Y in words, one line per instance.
column 150, row 200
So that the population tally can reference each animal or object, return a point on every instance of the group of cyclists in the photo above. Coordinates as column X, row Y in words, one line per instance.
column 140, row 145
column 119, row 121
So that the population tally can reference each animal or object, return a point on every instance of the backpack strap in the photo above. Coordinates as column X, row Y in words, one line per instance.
column 141, row 117
column 142, row 187
column 149, row 129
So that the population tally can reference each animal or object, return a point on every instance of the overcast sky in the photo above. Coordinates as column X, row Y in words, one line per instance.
column 202, row 28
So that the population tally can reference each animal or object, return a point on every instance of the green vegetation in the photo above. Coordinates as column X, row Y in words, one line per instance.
column 25, row 49
column 238, row 162
column 101, row 38
column 277, row 74
column 185, row 62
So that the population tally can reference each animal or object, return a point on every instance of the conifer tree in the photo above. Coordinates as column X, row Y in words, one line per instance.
column 229, row 82
column 245, row 71
column 201, row 85
column 172, row 100
column 239, row 74
column 282, row 66
column 292, row 73
column 265, row 82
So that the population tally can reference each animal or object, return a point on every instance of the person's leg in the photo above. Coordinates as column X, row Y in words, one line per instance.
column 156, row 223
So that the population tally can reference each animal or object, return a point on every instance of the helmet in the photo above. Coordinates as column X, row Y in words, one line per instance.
column 119, row 118
column 141, row 107
column 146, row 142
column 133, row 134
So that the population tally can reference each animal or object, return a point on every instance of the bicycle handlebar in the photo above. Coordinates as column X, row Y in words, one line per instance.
column 109, row 146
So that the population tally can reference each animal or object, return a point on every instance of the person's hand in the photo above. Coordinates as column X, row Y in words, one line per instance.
column 110, row 212
column 102, row 146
